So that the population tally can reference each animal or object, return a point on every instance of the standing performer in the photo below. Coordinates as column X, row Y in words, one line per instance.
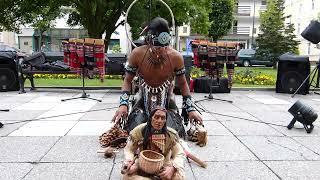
column 156, row 136
column 156, row 64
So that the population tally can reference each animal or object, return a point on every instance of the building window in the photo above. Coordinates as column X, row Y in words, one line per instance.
column 185, row 30
column 300, row 8
column 263, row 2
column 309, row 49
column 26, row 43
column 312, row 4
column 298, row 28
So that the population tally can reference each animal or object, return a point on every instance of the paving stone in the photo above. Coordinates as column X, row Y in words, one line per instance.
column 222, row 148
column 310, row 142
column 215, row 128
column 298, row 130
column 25, row 149
column 70, row 171
column 11, row 106
column 220, row 107
column 234, row 116
column 268, row 99
column 253, row 108
column 14, row 171
column 90, row 128
column 281, row 118
column 241, row 127
column 76, row 149
column 292, row 170
column 9, row 128
column 234, row 170
column 36, row 106
column 17, row 115
column 44, row 128
column 61, row 115
column 103, row 115
column 278, row 148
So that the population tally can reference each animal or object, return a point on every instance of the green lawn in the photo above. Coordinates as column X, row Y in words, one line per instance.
column 74, row 82
column 263, row 70
column 39, row 82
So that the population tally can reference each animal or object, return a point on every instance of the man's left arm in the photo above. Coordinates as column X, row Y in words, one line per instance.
column 184, row 89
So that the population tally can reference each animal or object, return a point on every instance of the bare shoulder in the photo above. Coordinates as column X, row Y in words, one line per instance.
column 176, row 58
column 136, row 55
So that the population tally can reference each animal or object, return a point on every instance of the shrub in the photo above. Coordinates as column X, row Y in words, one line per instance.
column 250, row 77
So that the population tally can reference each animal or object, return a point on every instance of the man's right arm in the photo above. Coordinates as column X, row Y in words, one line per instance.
column 131, row 69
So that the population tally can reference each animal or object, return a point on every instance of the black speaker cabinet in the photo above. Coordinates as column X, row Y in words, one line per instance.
column 312, row 32
column 202, row 85
column 8, row 78
column 292, row 71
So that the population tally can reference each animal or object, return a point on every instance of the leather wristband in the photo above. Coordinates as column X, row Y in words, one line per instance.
column 187, row 104
column 124, row 98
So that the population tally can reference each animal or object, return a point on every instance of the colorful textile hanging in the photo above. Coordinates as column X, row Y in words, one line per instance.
column 80, row 54
column 100, row 57
column 74, row 62
column 66, row 53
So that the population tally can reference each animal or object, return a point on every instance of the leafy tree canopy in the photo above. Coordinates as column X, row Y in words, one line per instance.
column 221, row 18
column 276, row 37
column 97, row 16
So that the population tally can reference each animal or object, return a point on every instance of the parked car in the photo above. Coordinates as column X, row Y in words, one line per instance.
column 248, row 57
column 18, row 52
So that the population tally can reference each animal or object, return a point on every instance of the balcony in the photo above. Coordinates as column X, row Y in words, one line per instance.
column 243, row 10
column 263, row 8
column 238, row 30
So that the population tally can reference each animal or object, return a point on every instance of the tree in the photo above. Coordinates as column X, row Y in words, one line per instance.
column 221, row 18
column 97, row 16
column 275, row 38
column 185, row 12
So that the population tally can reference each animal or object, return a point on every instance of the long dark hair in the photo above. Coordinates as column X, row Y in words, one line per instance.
column 147, row 131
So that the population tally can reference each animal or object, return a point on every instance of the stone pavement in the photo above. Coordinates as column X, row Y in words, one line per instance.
column 65, row 147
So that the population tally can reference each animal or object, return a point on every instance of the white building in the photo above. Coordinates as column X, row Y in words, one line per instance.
column 247, row 21
column 8, row 38
column 302, row 12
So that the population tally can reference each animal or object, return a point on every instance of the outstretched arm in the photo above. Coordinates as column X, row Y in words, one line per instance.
column 131, row 69
column 184, row 88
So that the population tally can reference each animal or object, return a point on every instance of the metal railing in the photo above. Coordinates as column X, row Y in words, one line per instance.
column 243, row 10
column 240, row 30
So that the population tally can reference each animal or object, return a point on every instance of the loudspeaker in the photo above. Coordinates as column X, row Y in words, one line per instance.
column 312, row 32
column 202, row 85
column 8, row 78
column 292, row 71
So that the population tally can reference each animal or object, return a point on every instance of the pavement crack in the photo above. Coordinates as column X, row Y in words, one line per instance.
column 285, row 147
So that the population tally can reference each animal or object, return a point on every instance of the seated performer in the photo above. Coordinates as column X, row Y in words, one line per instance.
column 156, row 64
column 154, row 135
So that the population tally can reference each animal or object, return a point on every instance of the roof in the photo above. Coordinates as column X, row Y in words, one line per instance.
column 26, row 32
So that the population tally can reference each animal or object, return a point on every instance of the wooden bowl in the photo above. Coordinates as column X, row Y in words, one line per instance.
column 150, row 161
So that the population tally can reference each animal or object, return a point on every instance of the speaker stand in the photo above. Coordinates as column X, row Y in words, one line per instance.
column 210, row 97
column 314, row 72
column 84, row 95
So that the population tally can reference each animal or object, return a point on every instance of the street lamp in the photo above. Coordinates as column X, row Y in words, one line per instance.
column 253, row 19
